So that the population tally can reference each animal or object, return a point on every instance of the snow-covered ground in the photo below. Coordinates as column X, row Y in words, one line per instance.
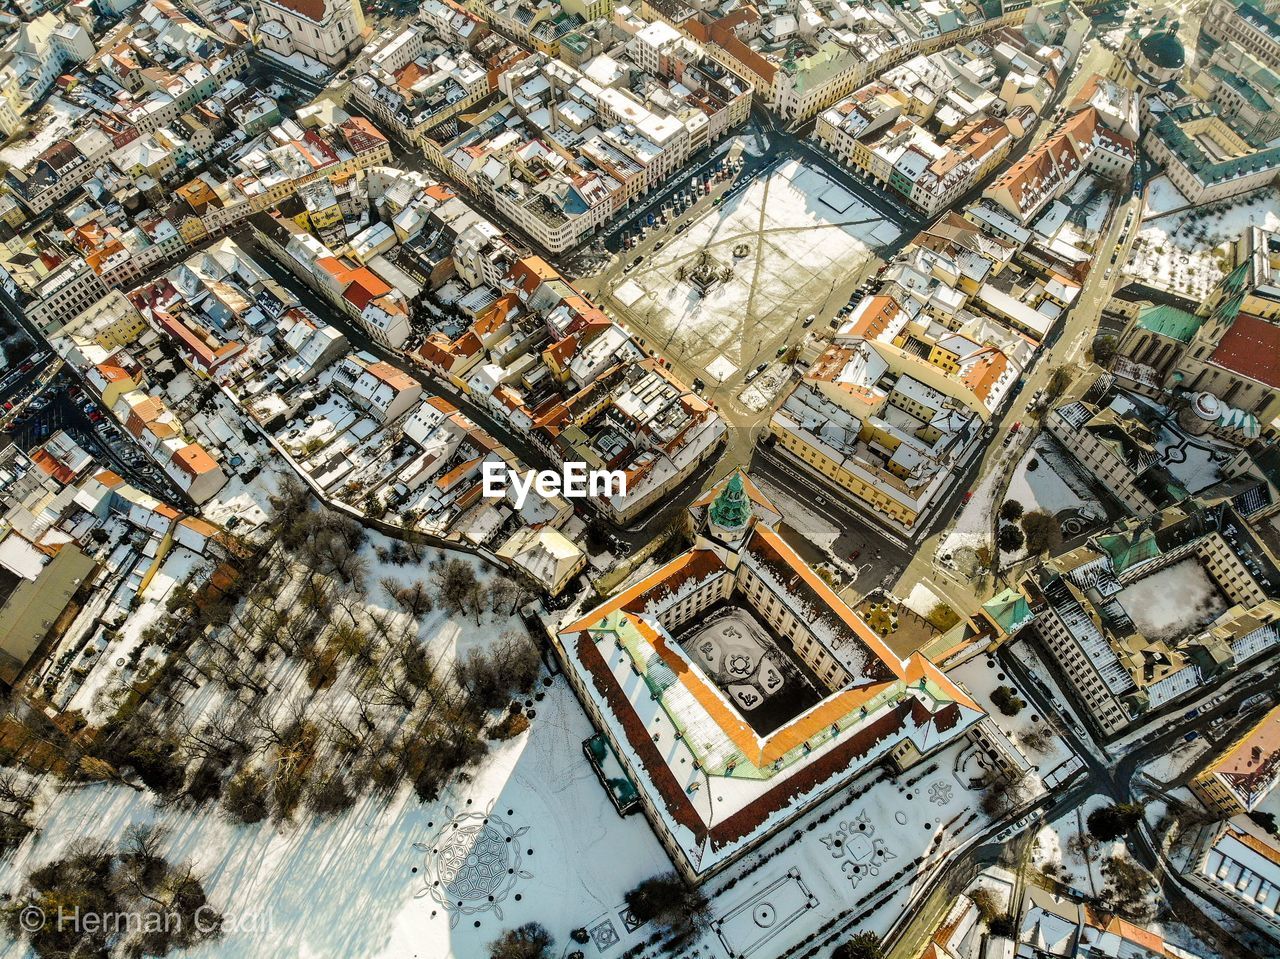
column 1182, row 252
column 784, row 241
column 361, row 884
column 1177, row 761
column 1053, row 847
column 1089, row 199
column 1046, row 479
column 1147, row 601
column 53, row 123
column 921, row 599
column 765, row 388
column 1162, row 196
column 972, row 529
column 1051, row 758
column 248, row 502
column 1030, row 659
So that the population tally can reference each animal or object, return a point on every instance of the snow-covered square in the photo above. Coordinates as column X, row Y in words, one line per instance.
column 774, row 251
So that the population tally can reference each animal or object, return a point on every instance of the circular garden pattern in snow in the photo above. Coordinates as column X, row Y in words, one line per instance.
column 473, row 863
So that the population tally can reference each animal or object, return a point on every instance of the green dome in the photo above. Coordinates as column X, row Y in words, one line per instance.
column 1164, row 50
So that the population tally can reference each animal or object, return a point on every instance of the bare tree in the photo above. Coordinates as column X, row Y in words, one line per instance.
column 416, row 599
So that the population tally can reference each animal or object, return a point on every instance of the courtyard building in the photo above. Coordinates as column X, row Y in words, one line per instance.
column 737, row 690
column 1103, row 615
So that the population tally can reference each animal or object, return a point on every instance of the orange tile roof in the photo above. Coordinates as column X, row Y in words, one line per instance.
column 393, row 376
column 194, row 460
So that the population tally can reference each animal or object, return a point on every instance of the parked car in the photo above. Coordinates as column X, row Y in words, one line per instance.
column 808, row 320
column 756, row 372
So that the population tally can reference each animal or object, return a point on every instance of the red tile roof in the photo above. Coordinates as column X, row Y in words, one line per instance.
column 1251, row 347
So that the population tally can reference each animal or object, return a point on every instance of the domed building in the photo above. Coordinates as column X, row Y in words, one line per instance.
column 1153, row 57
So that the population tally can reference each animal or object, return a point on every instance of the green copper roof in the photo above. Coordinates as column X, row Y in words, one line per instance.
column 1129, row 550
column 1170, row 321
column 1009, row 609
column 731, row 508
column 1163, row 49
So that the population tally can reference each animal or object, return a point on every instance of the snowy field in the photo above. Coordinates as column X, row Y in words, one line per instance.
column 361, row 884
column 1047, row 479
column 1077, row 867
column 764, row 389
column 1089, row 199
column 50, row 125
column 788, row 240
column 1194, row 461
column 1030, row 659
column 1162, row 196
column 1182, row 252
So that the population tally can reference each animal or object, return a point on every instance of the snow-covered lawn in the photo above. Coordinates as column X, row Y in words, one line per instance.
column 53, row 123
column 1148, row 601
column 361, row 884
column 1183, row 252
column 1046, row 479
column 1053, row 848
column 784, row 241
column 1089, row 199
column 765, row 388
column 1030, row 658
column 1162, row 196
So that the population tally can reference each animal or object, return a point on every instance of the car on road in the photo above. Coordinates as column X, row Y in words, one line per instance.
column 808, row 320
column 1191, row 736
column 756, row 372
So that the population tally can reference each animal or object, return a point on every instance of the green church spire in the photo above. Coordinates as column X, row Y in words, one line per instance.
column 731, row 508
